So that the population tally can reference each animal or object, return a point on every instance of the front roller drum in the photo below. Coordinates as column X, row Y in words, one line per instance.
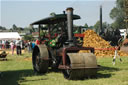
column 81, row 65
column 40, row 59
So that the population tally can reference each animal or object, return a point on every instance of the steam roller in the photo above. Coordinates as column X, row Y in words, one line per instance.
column 59, row 48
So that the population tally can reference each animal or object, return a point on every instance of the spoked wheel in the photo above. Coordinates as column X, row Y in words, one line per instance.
column 39, row 64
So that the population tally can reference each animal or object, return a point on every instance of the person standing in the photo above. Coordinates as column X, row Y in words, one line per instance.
column 33, row 45
column 12, row 47
column 37, row 42
column 29, row 46
column 3, row 44
column 18, row 46
column 0, row 44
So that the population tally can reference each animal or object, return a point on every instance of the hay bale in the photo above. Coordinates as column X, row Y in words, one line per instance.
column 91, row 39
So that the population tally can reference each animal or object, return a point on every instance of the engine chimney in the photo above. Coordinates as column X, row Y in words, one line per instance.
column 101, row 29
column 70, row 23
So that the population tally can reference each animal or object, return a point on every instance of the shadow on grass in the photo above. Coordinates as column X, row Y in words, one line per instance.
column 106, row 72
column 109, row 69
column 102, row 72
column 54, row 70
column 23, row 80
column 14, row 77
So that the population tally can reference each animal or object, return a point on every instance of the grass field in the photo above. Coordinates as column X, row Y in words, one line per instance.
column 18, row 71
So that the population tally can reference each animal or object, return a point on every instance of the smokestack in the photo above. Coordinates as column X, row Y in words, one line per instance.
column 70, row 23
column 101, row 29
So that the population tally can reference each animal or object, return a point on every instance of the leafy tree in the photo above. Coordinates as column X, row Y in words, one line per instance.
column 2, row 28
column 91, row 27
column 97, row 26
column 52, row 14
column 31, row 28
column 118, row 15
column 104, row 26
column 86, row 25
column 28, row 37
column 14, row 27
column 42, row 33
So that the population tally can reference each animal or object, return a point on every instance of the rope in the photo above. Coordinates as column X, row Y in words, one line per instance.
column 116, row 53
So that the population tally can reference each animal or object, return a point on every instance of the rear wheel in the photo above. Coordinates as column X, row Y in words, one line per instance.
column 39, row 64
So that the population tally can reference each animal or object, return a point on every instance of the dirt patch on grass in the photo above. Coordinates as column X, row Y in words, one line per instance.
column 28, row 59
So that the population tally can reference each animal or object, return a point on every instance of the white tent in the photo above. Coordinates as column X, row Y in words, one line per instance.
column 9, row 35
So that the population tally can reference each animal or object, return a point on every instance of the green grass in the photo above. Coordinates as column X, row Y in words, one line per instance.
column 18, row 71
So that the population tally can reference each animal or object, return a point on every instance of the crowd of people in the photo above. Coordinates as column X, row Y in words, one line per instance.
column 18, row 45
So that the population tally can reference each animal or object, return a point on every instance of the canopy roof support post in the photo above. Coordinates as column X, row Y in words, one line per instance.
column 39, row 32
column 49, row 34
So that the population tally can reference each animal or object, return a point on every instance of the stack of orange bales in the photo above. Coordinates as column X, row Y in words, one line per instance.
column 91, row 39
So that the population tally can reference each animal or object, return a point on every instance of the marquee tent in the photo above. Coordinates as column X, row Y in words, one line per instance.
column 9, row 35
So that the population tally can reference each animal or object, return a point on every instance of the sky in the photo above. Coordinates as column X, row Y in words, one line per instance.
column 24, row 12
